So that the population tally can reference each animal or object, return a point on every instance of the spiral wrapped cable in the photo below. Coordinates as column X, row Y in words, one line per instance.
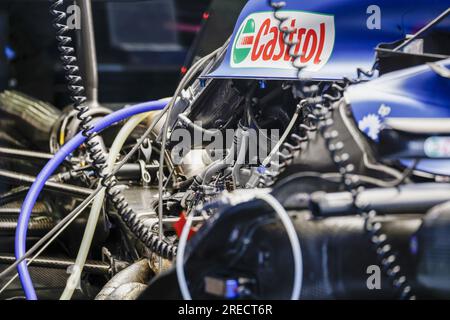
column 93, row 146
column 323, row 107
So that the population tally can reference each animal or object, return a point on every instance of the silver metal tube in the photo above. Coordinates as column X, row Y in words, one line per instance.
column 9, row 152
column 55, row 186
column 89, row 58
column 96, row 267
column 240, row 160
column 417, row 198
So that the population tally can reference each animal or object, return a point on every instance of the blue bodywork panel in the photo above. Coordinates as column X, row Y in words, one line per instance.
column 417, row 92
column 335, row 36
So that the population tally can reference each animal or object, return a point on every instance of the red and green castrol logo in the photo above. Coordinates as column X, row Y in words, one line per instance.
column 259, row 43
column 244, row 43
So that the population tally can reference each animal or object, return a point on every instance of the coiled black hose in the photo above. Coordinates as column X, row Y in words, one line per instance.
column 94, row 148
column 75, row 86
column 387, row 257
column 335, row 146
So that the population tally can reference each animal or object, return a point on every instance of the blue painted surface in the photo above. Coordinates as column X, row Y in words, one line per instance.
column 413, row 92
column 354, row 43
column 416, row 92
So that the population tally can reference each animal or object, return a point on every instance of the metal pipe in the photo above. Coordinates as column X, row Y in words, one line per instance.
column 240, row 159
column 417, row 198
column 54, row 186
column 24, row 153
column 95, row 267
column 87, row 43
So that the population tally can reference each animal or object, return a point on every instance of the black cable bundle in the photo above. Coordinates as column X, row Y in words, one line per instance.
column 94, row 148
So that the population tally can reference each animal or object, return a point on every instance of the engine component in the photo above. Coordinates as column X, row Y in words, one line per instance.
column 288, row 193
column 127, row 284
column 37, row 117
column 49, row 169
column 242, row 242
column 431, row 245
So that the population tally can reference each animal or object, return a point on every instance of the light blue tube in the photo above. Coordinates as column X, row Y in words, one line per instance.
column 48, row 170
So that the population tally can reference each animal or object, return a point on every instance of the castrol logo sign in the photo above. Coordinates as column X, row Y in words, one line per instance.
column 259, row 43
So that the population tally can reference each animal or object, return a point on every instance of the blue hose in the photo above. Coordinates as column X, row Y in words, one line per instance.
column 47, row 171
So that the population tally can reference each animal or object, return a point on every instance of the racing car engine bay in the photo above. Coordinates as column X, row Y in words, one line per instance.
column 274, row 171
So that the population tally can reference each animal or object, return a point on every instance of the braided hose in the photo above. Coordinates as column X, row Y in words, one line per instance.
column 93, row 146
